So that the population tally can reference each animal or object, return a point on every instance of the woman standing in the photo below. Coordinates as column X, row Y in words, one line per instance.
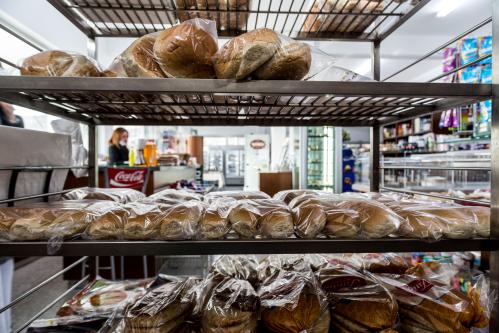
column 118, row 151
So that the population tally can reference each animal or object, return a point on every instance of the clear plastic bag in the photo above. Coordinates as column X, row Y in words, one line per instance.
column 181, row 221
column 162, row 309
column 231, row 307
column 59, row 219
column 288, row 195
column 121, row 195
column 308, row 215
column 432, row 306
column 244, row 218
column 171, row 196
column 358, row 302
column 294, row 302
column 237, row 195
column 101, row 298
column 109, row 222
column 59, row 63
column 143, row 221
column 138, row 59
column 186, row 50
column 276, row 220
column 390, row 263
column 482, row 215
column 238, row 267
column 214, row 223
column 271, row 266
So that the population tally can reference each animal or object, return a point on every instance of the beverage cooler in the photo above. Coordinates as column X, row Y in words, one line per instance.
column 234, row 166
column 320, row 158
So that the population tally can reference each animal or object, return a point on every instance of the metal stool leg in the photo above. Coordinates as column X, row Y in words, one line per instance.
column 144, row 266
column 113, row 268
column 122, row 267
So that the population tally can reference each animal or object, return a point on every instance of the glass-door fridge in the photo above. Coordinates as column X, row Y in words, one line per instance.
column 234, row 166
column 320, row 158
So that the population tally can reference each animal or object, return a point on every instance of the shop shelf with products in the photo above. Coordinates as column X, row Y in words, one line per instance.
column 133, row 101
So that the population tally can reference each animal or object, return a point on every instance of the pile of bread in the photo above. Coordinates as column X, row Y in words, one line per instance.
column 375, row 293
column 189, row 50
column 181, row 215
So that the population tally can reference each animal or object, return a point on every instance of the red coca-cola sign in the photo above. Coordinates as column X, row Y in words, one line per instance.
column 126, row 178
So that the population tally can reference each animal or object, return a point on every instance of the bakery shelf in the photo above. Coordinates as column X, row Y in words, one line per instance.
column 135, row 101
column 366, row 21
column 237, row 246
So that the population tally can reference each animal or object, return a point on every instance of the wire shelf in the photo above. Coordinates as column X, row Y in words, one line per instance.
column 134, row 101
column 365, row 20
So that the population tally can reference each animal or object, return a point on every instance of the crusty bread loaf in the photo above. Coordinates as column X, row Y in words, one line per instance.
column 109, row 225
column 309, row 218
column 138, row 59
column 185, row 51
column 58, row 63
column 214, row 224
column 32, row 226
column 291, row 62
column 143, row 221
column 242, row 55
column 342, row 223
column 277, row 223
column 181, row 221
column 482, row 215
column 420, row 225
column 289, row 195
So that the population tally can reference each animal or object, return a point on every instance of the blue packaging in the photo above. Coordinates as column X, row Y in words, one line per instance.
column 468, row 50
column 486, row 73
column 470, row 74
column 485, row 48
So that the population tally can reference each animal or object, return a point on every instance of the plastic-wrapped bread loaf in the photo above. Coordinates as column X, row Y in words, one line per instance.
column 59, row 63
column 482, row 215
column 244, row 218
column 109, row 221
column 181, row 221
column 186, row 50
column 121, row 195
column 138, row 59
column 143, row 220
column 171, row 196
column 237, row 195
column 244, row 267
column 242, row 55
column 309, row 216
column 276, row 220
column 214, row 223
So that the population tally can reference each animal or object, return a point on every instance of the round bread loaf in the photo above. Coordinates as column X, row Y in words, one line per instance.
column 138, row 59
column 58, row 63
column 109, row 225
column 419, row 225
column 185, row 51
column 457, row 222
column 291, row 62
column 289, row 195
column 244, row 219
column 181, row 221
column 342, row 223
column 225, row 21
column 143, row 220
column 242, row 55
column 213, row 225
column 277, row 223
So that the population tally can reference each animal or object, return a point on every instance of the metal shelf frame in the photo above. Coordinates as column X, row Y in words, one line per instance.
column 106, row 101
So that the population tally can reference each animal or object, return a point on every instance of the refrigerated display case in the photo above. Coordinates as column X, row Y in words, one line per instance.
column 234, row 166
column 321, row 158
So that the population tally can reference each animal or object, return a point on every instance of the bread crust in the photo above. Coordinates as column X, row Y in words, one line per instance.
column 292, row 61
column 138, row 59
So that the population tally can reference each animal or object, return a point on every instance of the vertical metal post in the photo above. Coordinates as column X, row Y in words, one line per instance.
column 93, row 165
column 374, row 157
column 494, row 202
column 92, row 48
column 303, row 157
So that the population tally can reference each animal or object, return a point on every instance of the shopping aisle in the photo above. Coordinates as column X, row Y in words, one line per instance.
column 27, row 277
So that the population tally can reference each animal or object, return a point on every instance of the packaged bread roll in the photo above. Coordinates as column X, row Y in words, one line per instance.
column 9, row 215
column 294, row 302
column 291, row 61
column 309, row 218
column 243, row 54
column 143, row 220
column 391, row 263
column 276, row 220
column 214, row 223
column 232, row 307
column 121, row 195
column 244, row 218
column 32, row 226
column 59, row 63
column 181, row 221
column 428, row 305
column 358, row 302
column 342, row 223
column 237, row 195
column 169, row 196
column 244, row 267
column 288, row 195
column 108, row 222
column 420, row 225
column 138, row 59
column 482, row 215
column 271, row 266
column 186, row 50
column 162, row 309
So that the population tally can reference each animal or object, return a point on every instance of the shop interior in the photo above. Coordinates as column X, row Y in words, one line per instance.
column 394, row 114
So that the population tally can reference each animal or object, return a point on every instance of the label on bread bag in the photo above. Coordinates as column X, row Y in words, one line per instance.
column 123, row 178
column 341, row 282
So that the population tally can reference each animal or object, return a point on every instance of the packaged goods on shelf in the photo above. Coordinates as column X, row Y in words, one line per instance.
column 121, row 195
column 214, row 223
column 171, row 196
column 181, row 221
column 238, row 195
column 243, row 267
column 59, row 63
column 143, row 220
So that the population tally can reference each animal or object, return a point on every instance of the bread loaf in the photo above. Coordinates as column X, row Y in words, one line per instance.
column 58, row 63
column 107, row 223
column 482, row 215
column 121, row 195
column 244, row 219
column 181, row 221
column 143, row 221
column 342, row 223
column 9, row 215
column 291, row 62
column 214, row 223
column 309, row 218
column 244, row 267
column 138, row 59
column 32, row 226
column 289, row 195
column 242, row 55
column 171, row 196
column 276, row 220
column 185, row 50
column 236, row 195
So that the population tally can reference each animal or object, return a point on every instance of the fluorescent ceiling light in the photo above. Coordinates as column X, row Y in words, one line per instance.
column 444, row 8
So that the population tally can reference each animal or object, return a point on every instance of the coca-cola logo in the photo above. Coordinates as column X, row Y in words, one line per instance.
column 341, row 282
column 126, row 178
column 257, row 144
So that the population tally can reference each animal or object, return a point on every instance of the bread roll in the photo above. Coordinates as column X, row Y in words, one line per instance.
column 171, row 196
column 309, row 218
column 276, row 220
column 9, row 215
column 32, row 226
column 143, row 221
column 298, row 200
column 291, row 62
column 181, row 221
column 242, row 55
column 289, row 195
column 244, row 219
column 390, row 263
column 420, row 225
column 214, row 224
column 482, row 215
column 244, row 267
column 232, row 307
column 185, row 50
column 121, row 195
column 138, row 59
column 108, row 225
column 58, row 63
column 342, row 223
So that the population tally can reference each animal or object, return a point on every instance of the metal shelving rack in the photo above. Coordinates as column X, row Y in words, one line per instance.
column 127, row 101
